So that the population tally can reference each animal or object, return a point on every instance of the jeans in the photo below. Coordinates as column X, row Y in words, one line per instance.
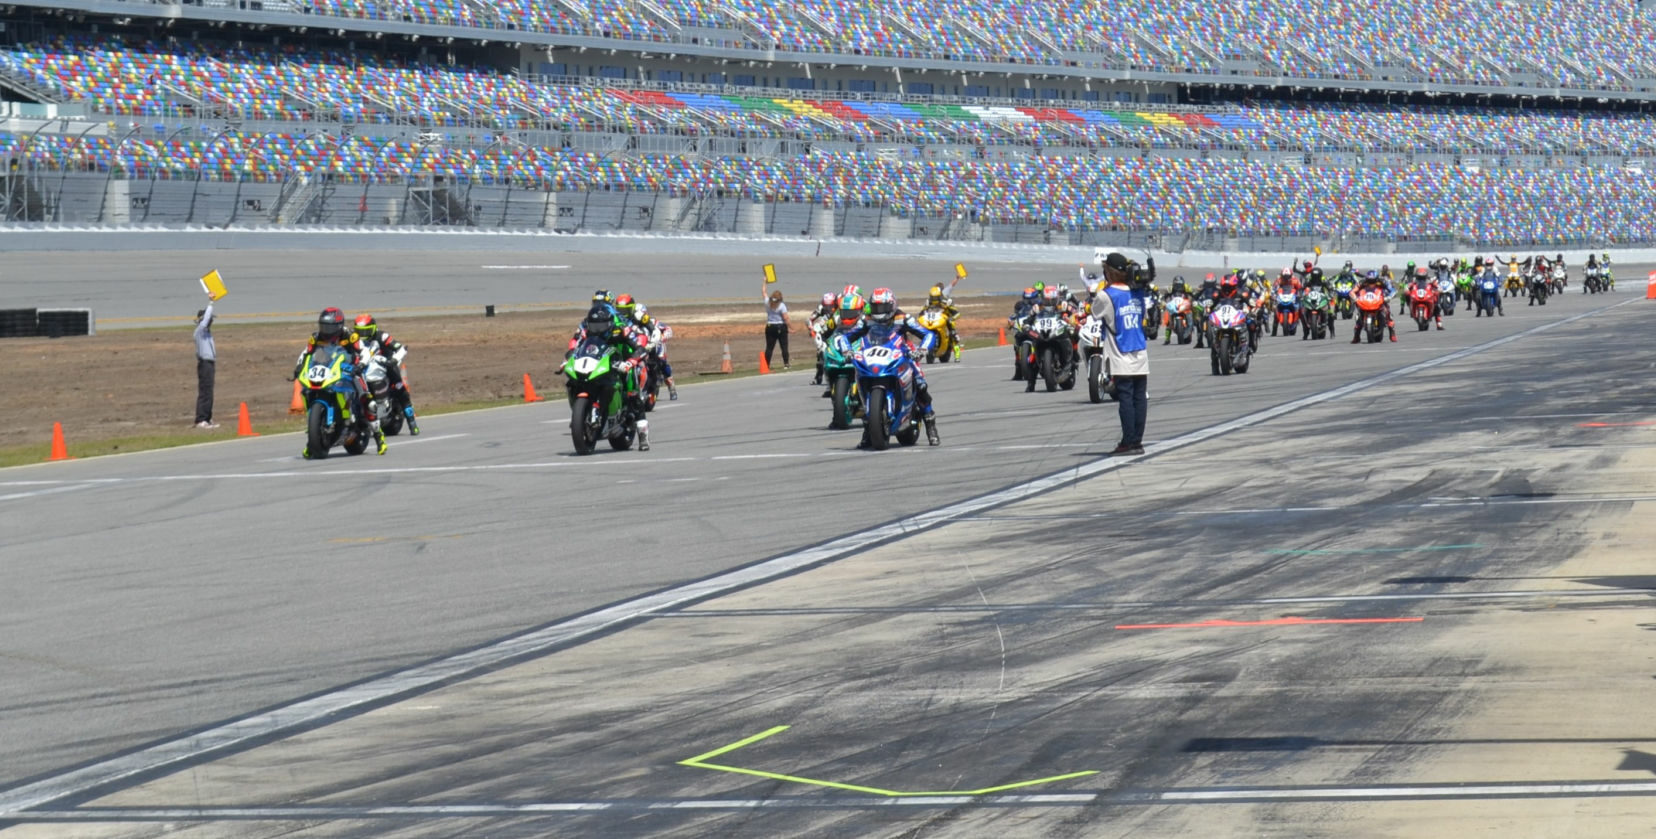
column 776, row 333
column 204, row 390
column 1133, row 393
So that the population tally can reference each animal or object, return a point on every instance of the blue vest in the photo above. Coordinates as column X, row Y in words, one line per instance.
column 1129, row 319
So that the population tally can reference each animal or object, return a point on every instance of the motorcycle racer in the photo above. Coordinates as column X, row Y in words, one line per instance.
column 1371, row 281
column 369, row 332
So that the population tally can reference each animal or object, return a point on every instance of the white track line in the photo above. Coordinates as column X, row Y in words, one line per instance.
column 414, row 441
column 52, row 491
column 523, row 267
column 376, row 691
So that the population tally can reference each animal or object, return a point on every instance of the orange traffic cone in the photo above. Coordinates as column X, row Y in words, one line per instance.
column 764, row 366
column 529, row 390
column 1003, row 336
column 59, row 450
column 1650, row 286
column 244, row 425
column 724, row 363
column 297, row 406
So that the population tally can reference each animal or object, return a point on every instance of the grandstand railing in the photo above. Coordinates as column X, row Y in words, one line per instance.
column 68, row 192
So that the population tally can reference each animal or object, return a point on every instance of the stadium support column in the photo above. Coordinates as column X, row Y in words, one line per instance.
column 822, row 221
column 752, row 219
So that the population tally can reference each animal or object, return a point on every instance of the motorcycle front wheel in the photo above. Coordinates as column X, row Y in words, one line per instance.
column 316, row 430
column 841, row 393
column 581, row 431
column 1048, row 375
column 1095, row 379
column 879, row 431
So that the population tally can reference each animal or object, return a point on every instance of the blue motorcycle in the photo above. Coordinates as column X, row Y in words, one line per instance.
column 1488, row 291
column 886, row 379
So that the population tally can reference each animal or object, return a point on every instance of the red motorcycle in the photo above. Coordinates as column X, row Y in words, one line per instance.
column 1423, row 299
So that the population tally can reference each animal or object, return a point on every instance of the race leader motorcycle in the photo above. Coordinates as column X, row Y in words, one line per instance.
column 886, row 378
column 336, row 413
column 1371, row 313
column 597, row 390
column 1317, row 314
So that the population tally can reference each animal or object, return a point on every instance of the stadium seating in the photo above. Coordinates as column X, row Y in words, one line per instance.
column 151, row 80
column 1467, row 41
column 1167, row 193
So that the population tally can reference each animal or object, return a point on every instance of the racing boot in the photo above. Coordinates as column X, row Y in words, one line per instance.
column 379, row 439
column 413, row 424
column 643, row 435
column 672, row 390
column 1393, row 331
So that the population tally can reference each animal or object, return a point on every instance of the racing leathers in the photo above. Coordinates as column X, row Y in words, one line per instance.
column 394, row 352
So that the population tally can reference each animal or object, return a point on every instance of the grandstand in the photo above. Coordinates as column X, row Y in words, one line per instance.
column 634, row 114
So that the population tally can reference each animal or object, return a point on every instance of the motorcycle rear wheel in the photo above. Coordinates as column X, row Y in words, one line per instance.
column 316, row 430
column 581, row 431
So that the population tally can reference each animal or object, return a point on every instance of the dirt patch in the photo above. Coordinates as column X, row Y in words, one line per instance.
column 129, row 384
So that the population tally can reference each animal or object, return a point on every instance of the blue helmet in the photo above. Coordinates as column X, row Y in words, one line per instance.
column 1031, row 295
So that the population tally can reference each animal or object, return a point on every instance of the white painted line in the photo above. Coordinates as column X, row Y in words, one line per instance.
column 414, row 441
column 422, row 677
column 524, row 267
column 1558, row 416
column 1544, row 790
column 38, row 492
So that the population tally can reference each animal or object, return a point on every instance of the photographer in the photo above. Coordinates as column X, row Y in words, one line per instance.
column 1121, row 305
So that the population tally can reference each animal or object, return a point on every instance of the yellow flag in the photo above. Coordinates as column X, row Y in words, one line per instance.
column 213, row 284
column 770, row 273
column 960, row 270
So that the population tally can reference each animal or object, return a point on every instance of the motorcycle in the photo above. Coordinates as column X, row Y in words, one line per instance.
column 597, row 392
column 1446, row 297
column 1371, row 306
column 1231, row 350
column 1594, row 282
column 1180, row 322
column 844, row 401
column 1287, row 311
column 1154, row 313
column 1514, row 284
column 1318, row 316
column 656, row 367
column 1489, row 295
column 1465, row 286
column 1539, row 288
column 938, row 322
column 886, row 377
column 1560, row 279
column 379, row 386
column 335, row 413
column 1423, row 304
column 1051, row 352
column 1342, row 298
column 1099, row 385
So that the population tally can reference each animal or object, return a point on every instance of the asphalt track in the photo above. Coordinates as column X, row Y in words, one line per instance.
column 1398, row 590
column 127, row 289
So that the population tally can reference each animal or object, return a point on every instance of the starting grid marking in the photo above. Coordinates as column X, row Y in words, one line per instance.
column 1195, row 795
column 375, row 692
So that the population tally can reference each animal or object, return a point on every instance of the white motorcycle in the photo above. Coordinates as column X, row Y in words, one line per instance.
column 1099, row 384
column 379, row 386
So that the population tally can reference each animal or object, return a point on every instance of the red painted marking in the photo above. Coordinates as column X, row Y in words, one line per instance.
column 1612, row 424
column 1275, row 622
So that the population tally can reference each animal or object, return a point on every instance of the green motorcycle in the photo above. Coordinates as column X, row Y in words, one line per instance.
column 842, row 383
column 1463, row 288
column 598, row 398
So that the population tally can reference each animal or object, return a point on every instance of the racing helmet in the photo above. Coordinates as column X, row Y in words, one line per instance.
column 852, row 290
column 330, row 325
column 1287, row 274
column 1229, row 283
column 1421, row 274
column 626, row 305
column 1040, row 287
column 1316, row 274
column 600, row 319
column 1031, row 294
column 1410, row 267
column 366, row 327
column 851, row 308
column 882, row 306
column 1049, row 295
column 1063, row 291
column 602, row 295
column 936, row 292
column 1371, row 276
column 829, row 300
